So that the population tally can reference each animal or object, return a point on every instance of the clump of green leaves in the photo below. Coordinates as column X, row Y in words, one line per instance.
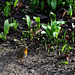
column 52, row 3
column 34, row 3
column 66, row 48
column 63, row 37
column 28, row 20
column 14, row 24
column 31, row 29
column 7, row 8
column 70, row 5
column 52, row 30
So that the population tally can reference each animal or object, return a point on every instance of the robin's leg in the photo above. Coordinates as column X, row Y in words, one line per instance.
column 22, row 62
column 17, row 60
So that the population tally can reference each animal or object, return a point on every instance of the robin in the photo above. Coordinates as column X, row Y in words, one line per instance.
column 22, row 54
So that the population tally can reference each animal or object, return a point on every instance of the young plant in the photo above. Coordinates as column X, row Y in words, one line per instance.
column 70, row 11
column 32, row 30
column 74, row 6
column 63, row 37
column 35, row 3
column 7, row 9
column 28, row 20
column 6, row 29
column 73, row 36
column 71, row 5
column 37, row 19
column 26, row 34
column 14, row 22
column 66, row 48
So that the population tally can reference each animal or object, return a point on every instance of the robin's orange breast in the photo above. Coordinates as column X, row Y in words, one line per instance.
column 22, row 53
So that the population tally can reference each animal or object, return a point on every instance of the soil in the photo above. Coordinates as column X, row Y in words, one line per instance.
column 37, row 62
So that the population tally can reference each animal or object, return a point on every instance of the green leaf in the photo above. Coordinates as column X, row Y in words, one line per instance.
column 55, row 34
column 64, row 62
column 69, row 48
column 63, row 3
column 42, row 5
column 7, row 3
column 34, row 2
column 15, row 26
column 54, row 4
column 70, row 11
column 48, row 1
column 48, row 32
column 2, row 36
column 7, row 10
column 37, row 19
column 58, row 23
column 43, row 32
column 12, row 24
column 71, row 2
column 28, row 21
column 16, row 1
column 24, row 18
column 47, row 28
column 6, row 27
column 65, row 34
column 37, row 2
column 59, row 1
column 53, row 15
column 63, row 48
column 44, row 26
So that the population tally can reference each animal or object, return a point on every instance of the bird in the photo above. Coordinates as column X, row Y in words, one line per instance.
column 22, row 53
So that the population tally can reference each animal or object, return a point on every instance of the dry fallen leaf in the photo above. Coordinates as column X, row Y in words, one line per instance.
column 19, row 4
column 67, row 37
column 39, row 30
column 64, row 14
column 67, row 57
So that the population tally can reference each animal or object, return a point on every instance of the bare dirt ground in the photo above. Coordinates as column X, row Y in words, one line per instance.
column 38, row 62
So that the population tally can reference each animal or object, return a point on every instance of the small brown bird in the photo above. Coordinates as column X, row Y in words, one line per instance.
column 22, row 54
